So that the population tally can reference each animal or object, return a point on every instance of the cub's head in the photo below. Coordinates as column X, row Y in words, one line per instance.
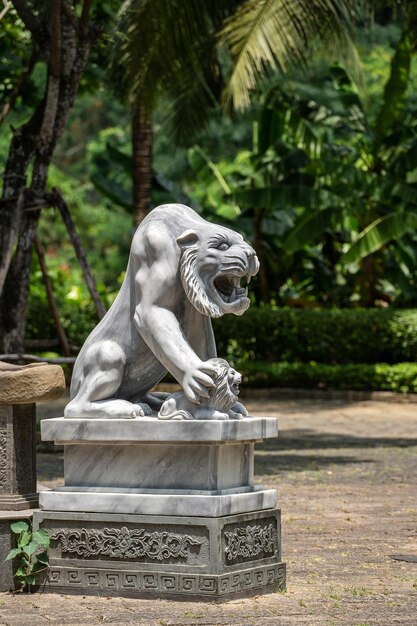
column 226, row 390
column 214, row 260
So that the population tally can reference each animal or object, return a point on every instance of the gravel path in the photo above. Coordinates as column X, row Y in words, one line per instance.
column 346, row 474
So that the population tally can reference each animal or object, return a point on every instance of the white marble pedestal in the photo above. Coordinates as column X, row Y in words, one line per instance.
column 167, row 498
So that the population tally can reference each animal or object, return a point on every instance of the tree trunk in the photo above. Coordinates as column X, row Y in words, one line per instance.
column 21, row 151
column 64, row 39
column 142, row 163
column 369, row 277
column 16, row 289
column 60, row 203
column 63, row 339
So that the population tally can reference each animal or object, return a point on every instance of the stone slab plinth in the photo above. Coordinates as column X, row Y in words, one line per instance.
column 70, row 430
column 154, row 467
column 162, row 503
column 192, row 558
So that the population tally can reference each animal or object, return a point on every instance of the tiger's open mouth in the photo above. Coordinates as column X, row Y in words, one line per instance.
column 235, row 388
column 229, row 288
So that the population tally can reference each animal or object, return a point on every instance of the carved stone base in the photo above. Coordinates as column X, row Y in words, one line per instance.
column 17, row 457
column 187, row 558
column 19, row 502
column 7, row 569
column 170, row 585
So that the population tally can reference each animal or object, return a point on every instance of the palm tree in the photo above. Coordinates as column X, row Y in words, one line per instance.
column 166, row 47
column 198, row 53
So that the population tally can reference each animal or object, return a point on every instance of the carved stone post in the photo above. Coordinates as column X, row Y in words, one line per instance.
column 20, row 388
column 17, row 457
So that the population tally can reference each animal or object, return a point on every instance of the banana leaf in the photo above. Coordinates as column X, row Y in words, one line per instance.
column 379, row 233
column 394, row 91
column 165, row 184
column 276, row 197
column 113, row 192
column 308, row 229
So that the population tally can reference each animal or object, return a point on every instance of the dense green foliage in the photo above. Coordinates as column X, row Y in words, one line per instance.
column 77, row 313
column 336, row 336
column 400, row 378
column 318, row 349
column 200, row 52
column 327, row 194
column 296, row 174
column 319, row 173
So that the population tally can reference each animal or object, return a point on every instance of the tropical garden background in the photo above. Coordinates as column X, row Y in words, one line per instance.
column 293, row 122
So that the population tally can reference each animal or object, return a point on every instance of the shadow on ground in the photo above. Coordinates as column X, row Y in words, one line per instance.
column 270, row 464
column 307, row 439
column 298, row 440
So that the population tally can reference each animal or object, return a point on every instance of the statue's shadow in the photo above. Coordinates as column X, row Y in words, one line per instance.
column 307, row 450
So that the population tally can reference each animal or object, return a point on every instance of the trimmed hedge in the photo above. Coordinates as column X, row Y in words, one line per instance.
column 401, row 378
column 362, row 349
column 332, row 336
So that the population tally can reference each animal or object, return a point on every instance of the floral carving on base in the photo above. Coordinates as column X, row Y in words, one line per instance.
column 124, row 543
column 250, row 541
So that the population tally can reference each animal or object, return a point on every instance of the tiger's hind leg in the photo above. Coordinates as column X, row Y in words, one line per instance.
column 101, row 376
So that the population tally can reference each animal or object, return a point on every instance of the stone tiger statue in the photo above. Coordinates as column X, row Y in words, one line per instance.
column 182, row 271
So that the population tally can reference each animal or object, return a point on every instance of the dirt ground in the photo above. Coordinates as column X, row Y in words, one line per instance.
column 346, row 473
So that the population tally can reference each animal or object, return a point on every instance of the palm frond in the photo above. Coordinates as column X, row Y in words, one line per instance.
column 169, row 47
column 279, row 33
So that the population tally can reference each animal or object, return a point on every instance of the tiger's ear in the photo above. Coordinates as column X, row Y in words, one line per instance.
column 188, row 238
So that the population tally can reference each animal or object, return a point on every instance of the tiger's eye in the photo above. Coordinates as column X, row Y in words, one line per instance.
column 223, row 246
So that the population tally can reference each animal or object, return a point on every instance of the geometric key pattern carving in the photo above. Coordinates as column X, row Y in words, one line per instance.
column 168, row 583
